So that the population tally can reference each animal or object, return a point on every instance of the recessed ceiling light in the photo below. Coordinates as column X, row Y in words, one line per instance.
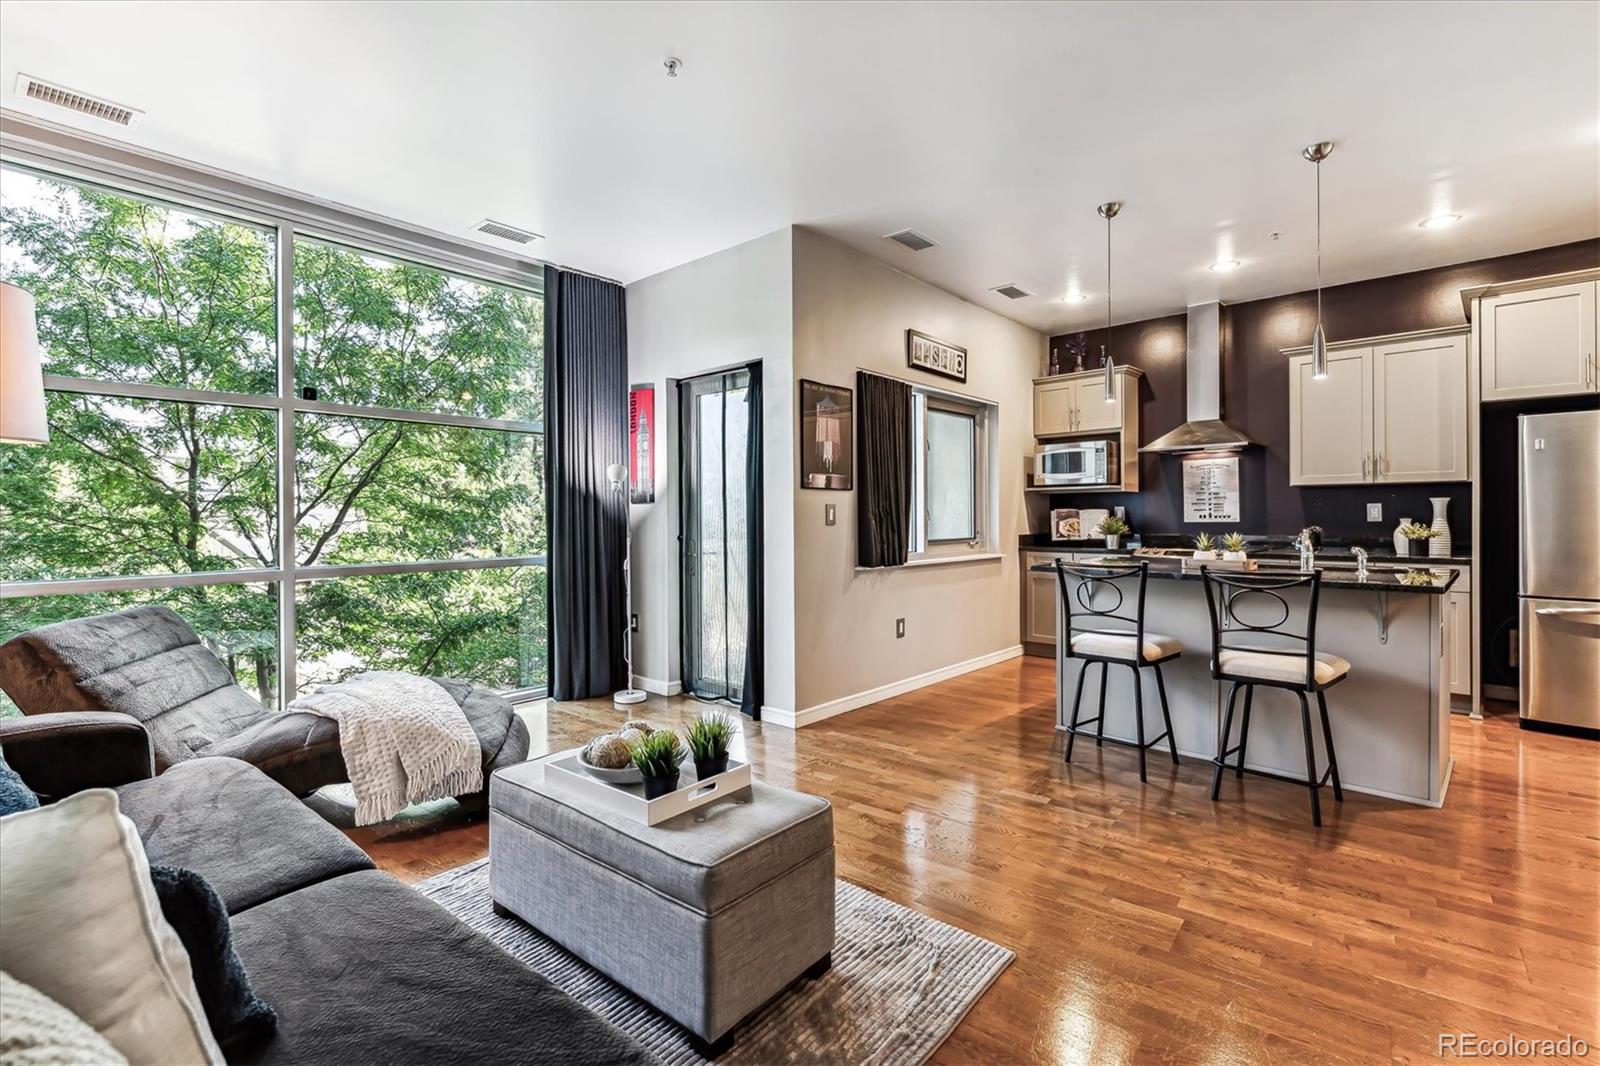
column 1074, row 297
column 1439, row 221
column 1223, row 266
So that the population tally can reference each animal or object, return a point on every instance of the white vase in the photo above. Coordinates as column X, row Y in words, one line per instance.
column 1402, row 546
column 1440, row 545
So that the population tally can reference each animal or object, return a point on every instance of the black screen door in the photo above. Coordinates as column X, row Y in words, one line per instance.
column 714, row 420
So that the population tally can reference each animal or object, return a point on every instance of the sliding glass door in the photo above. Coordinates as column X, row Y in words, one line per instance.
column 714, row 422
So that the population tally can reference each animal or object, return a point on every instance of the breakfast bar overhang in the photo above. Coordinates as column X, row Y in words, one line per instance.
column 1390, row 716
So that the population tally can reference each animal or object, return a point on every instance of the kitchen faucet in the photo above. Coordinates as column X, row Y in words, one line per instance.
column 1308, row 541
column 1361, row 563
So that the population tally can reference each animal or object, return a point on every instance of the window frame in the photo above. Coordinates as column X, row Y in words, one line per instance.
column 116, row 170
column 985, row 477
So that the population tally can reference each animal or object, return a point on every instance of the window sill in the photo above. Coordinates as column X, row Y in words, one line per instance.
column 950, row 560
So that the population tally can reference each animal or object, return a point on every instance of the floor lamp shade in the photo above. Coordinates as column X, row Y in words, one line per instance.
column 22, row 419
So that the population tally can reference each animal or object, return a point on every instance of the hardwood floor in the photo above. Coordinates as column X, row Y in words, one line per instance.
column 1152, row 925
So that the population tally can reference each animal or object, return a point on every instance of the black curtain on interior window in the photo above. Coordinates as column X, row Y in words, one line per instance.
column 755, row 601
column 585, row 431
column 883, row 470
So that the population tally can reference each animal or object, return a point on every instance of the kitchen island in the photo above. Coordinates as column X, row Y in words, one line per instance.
column 1390, row 716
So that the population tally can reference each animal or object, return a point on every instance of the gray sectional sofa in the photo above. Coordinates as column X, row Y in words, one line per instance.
column 359, row 968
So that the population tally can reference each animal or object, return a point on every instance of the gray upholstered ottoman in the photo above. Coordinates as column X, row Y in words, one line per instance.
column 706, row 916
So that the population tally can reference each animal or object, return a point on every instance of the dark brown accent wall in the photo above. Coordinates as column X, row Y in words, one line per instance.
column 1255, row 394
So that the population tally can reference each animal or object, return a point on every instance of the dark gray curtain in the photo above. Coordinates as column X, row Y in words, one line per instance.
column 585, row 430
column 755, row 633
column 883, row 470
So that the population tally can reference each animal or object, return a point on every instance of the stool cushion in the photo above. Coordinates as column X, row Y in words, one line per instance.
column 1269, row 666
column 1119, row 646
column 706, row 859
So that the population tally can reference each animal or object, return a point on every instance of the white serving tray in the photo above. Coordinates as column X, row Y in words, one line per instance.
column 565, row 771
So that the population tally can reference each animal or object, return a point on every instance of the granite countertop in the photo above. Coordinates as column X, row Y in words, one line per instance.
column 1436, row 580
column 1265, row 547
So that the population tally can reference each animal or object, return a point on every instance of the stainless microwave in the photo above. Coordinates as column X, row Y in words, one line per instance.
column 1074, row 462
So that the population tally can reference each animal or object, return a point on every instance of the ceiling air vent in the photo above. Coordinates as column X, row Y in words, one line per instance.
column 84, row 104
column 503, row 232
column 912, row 239
column 1011, row 292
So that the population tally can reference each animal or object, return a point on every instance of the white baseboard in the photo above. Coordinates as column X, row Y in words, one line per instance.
column 659, row 688
column 796, row 720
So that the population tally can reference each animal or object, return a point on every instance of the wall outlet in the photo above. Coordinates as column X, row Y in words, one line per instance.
column 899, row 628
column 830, row 514
column 1374, row 512
column 633, row 622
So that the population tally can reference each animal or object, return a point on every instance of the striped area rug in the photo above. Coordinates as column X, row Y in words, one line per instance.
column 900, row 984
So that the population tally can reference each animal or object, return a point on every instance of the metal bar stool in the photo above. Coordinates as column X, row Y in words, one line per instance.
column 1134, row 648
column 1253, row 659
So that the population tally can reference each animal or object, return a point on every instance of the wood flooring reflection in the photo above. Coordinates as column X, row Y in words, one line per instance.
column 1151, row 925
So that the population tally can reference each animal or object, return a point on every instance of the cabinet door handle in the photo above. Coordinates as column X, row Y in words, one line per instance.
column 1363, row 466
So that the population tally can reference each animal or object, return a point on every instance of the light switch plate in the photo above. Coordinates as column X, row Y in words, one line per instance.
column 830, row 514
column 899, row 628
column 1374, row 512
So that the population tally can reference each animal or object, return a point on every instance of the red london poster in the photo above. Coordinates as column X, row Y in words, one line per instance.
column 641, row 443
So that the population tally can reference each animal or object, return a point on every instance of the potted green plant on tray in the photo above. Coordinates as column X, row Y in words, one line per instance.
column 1203, row 547
column 1233, row 548
column 1416, row 535
column 1113, row 527
column 658, row 755
column 709, row 736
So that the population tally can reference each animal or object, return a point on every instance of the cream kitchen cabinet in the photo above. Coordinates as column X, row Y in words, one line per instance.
column 1539, row 342
column 1039, row 604
column 1330, row 421
column 1458, row 635
column 1419, row 413
column 1390, row 410
column 1069, row 404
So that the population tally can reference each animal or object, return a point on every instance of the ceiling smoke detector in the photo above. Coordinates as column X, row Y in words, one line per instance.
column 500, row 231
column 1011, row 292
column 95, row 107
column 910, row 238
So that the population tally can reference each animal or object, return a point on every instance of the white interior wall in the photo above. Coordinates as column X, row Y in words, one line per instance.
column 852, row 312
column 726, row 310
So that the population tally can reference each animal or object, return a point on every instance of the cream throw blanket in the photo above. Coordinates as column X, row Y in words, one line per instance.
column 404, row 739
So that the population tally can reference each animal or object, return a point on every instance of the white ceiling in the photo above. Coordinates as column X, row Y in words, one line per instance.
column 994, row 128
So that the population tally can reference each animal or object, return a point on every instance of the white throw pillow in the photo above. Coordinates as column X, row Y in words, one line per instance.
column 35, row 1030
column 80, row 922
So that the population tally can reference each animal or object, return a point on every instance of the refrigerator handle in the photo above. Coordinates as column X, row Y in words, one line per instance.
column 1568, row 611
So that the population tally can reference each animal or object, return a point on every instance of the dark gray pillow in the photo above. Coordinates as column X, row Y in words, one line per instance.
column 15, row 795
column 239, row 1020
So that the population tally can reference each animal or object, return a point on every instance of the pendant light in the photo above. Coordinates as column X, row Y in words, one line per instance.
column 1316, row 153
column 1108, row 211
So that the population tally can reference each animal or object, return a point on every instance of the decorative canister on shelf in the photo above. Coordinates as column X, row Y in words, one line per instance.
column 1440, row 545
column 1402, row 544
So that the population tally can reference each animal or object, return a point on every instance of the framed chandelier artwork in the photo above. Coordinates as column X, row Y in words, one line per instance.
column 827, row 443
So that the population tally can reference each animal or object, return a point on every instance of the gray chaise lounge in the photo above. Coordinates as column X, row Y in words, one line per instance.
column 147, row 663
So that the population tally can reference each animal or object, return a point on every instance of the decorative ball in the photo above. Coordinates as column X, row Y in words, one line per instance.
column 631, row 737
column 637, row 723
column 608, row 751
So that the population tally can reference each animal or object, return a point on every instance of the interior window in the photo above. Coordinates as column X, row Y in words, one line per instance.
column 952, row 483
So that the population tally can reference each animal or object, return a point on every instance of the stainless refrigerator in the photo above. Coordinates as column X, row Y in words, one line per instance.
column 1559, row 593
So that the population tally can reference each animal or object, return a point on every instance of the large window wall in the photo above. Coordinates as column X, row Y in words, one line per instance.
column 325, row 458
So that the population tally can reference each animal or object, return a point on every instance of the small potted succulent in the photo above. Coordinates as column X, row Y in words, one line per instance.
column 1233, row 548
column 1113, row 527
column 657, row 756
column 1415, row 537
column 1204, row 548
column 709, row 736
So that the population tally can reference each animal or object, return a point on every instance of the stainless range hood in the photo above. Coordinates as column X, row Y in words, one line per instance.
column 1205, row 431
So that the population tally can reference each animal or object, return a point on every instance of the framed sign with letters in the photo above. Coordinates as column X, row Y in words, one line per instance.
column 935, row 356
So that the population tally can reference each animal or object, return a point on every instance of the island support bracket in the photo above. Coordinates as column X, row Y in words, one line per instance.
column 1383, row 616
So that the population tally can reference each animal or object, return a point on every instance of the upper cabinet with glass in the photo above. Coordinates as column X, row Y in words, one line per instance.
column 132, row 290
column 381, row 333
